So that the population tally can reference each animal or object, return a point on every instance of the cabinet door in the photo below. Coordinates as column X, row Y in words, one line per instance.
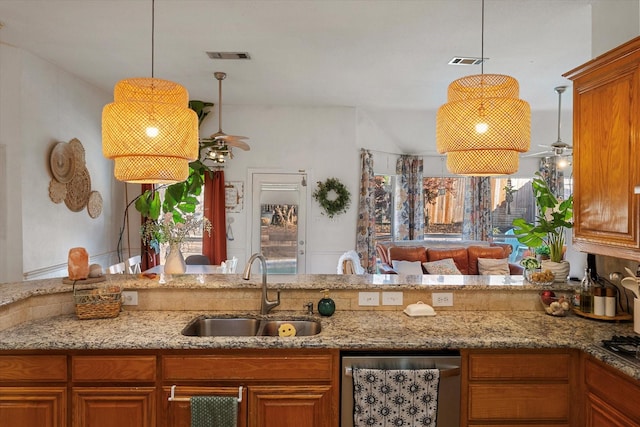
column 113, row 407
column 291, row 406
column 601, row 414
column 606, row 125
column 177, row 413
column 33, row 406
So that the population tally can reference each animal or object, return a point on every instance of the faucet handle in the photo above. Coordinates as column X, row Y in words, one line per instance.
column 309, row 307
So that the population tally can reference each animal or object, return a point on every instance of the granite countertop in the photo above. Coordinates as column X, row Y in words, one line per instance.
column 348, row 330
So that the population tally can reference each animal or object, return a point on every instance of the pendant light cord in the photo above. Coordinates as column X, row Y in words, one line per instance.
column 482, row 42
column 153, row 32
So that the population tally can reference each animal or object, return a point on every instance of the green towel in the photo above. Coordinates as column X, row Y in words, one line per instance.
column 214, row 411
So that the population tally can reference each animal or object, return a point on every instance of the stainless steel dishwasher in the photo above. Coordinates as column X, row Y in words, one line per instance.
column 448, row 391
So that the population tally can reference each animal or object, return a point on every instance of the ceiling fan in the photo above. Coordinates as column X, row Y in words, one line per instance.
column 220, row 143
column 559, row 147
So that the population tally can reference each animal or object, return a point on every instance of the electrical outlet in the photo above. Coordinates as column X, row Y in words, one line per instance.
column 368, row 298
column 129, row 298
column 392, row 298
column 442, row 299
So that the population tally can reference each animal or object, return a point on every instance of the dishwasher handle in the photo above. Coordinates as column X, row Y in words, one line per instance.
column 448, row 372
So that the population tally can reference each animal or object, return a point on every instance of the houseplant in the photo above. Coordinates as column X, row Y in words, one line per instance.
column 553, row 216
column 173, row 232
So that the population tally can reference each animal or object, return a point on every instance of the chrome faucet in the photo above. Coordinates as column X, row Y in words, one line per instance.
column 265, row 305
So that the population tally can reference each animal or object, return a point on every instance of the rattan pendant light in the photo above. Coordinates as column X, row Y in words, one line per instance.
column 149, row 130
column 484, row 126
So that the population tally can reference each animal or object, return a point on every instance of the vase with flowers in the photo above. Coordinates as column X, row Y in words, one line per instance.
column 173, row 231
column 554, row 215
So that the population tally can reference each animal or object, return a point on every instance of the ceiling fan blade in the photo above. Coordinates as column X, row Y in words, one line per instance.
column 225, row 137
column 538, row 154
column 238, row 144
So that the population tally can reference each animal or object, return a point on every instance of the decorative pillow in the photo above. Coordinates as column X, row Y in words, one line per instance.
column 407, row 267
column 488, row 266
column 443, row 266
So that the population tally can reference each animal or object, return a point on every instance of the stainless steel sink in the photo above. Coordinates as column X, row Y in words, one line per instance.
column 304, row 328
column 205, row 326
column 221, row 327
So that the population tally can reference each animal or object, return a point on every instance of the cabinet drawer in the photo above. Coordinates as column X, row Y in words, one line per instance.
column 542, row 402
column 517, row 367
column 33, row 368
column 240, row 368
column 113, row 368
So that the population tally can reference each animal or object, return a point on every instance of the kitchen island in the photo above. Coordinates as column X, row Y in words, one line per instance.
column 488, row 316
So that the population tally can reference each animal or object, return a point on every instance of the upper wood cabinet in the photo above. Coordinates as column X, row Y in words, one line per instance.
column 606, row 156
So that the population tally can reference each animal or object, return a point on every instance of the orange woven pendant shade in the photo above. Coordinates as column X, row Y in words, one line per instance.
column 150, row 131
column 483, row 126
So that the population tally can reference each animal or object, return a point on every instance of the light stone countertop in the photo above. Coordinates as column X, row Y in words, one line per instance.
column 346, row 329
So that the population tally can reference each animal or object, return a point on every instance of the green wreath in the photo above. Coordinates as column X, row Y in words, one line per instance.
column 335, row 206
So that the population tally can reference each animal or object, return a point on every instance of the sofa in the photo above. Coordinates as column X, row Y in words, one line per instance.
column 469, row 259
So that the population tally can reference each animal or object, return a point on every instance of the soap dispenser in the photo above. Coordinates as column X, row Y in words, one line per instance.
column 326, row 306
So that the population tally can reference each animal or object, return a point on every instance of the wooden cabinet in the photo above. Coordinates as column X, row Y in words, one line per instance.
column 281, row 388
column 611, row 398
column 606, row 163
column 33, row 391
column 113, row 390
column 519, row 388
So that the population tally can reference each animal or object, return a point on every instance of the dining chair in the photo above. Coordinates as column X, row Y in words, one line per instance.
column 133, row 264
column 118, row 268
column 197, row 260
column 231, row 265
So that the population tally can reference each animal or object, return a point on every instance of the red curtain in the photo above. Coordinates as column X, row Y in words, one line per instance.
column 149, row 257
column 215, row 247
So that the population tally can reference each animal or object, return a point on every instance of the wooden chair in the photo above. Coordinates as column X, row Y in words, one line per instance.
column 118, row 268
column 133, row 264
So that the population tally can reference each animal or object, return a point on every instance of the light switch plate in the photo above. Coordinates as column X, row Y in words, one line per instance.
column 369, row 298
column 392, row 298
column 129, row 298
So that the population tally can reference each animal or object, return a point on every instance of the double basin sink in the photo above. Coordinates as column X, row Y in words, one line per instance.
column 208, row 326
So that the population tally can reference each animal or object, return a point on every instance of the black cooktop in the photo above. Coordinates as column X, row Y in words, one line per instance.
column 626, row 347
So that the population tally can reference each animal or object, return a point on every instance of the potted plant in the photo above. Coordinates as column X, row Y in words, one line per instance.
column 553, row 216
column 168, row 231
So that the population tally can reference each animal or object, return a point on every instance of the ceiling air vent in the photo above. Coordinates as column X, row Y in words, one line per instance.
column 228, row 55
column 461, row 60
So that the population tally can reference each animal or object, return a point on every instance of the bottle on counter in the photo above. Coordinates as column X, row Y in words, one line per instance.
column 326, row 306
column 598, row 300
column 610, row 302
column 586, row 292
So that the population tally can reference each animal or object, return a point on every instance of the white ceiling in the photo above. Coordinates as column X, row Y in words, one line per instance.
column 372, row 54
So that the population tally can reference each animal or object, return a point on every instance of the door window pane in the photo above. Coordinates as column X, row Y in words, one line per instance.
column 279, row 237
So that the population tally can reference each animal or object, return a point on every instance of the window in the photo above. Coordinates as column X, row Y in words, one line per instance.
column 443, row 206
column 384, row 202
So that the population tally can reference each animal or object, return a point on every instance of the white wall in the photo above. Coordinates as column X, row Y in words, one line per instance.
column 41, row 104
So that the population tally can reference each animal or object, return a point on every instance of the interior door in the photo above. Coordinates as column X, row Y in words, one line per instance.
column 278, row 221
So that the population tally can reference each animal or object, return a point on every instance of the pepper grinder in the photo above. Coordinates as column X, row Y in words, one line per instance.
column 326, row 306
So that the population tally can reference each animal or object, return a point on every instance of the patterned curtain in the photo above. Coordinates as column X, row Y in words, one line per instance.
column 366, row 230
column 477, row 222
column 409, row 211
column 553, row 175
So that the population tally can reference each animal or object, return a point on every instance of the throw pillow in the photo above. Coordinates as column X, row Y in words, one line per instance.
column 488, row 266
column 443, row 266
column 407, row 267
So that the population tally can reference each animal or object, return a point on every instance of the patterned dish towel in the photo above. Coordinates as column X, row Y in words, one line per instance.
column 214, row 411
column 400, row 397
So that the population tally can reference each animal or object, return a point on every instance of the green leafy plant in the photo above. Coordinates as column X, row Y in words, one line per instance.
column 543, row 250
column 167, row 230
column 553, row 217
